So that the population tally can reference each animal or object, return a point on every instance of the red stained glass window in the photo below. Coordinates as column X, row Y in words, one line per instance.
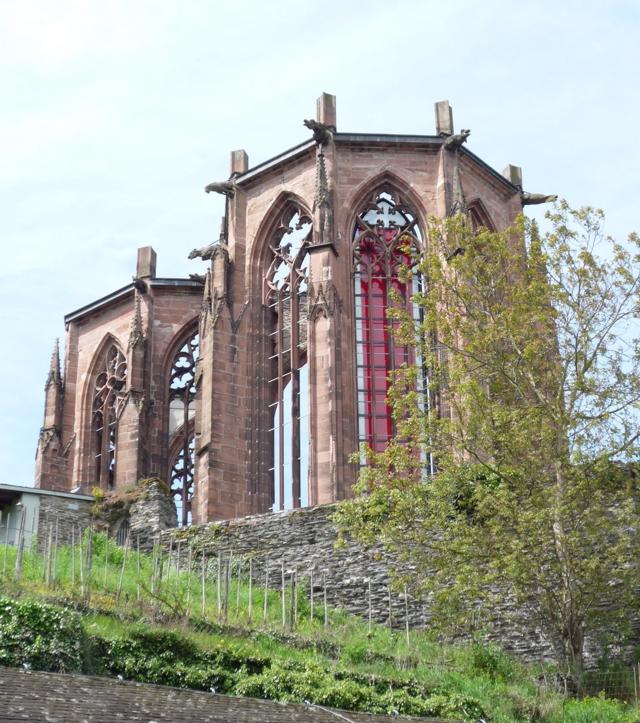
column 386, row 240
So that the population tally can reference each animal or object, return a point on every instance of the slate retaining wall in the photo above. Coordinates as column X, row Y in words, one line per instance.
column 305, row 540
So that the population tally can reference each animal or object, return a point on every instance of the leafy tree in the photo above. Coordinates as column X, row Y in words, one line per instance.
column 534, row 382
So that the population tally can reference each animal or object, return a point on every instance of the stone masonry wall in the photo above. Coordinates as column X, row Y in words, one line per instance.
column 62, row 513
column 305, row 540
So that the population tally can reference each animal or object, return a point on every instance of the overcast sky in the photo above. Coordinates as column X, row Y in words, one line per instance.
column 114, row 115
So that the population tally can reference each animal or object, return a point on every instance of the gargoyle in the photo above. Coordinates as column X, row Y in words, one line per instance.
column 205, row 253
column 197, row 277
column 139, row 284
column 227, row 188
column 322, row 133
column 531, row 199
column 457, row 139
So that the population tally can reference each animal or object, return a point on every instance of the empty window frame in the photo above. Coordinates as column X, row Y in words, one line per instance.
column 108, row 394
column 286, row 285
column 182, row 396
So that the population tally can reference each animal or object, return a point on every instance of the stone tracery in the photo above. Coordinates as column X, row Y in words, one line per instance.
column 182, row 394
column 286, row 287
column 386, row 240
column 105, row 409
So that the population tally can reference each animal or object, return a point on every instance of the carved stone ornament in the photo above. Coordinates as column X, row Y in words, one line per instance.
column 136, row 334
column 139, row 284
column 533, row 199
column 322, row 133
column 206, row 253
column 48, row 435
column 458, row 201
column 322, row 298
column 322, row 205
column 226, row 188
column 455, row 141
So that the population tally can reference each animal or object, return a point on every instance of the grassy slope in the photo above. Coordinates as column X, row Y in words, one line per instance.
column 341, row 662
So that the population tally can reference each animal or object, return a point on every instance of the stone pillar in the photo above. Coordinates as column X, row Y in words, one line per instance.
column 131, row 442
column 146, row 264
column 239, row 162
column 514, row 175
column 444, row 118
column 224, row 392
column 329, row 477
column 326, row 110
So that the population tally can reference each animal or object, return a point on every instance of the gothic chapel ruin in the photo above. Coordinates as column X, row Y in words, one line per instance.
column 248, row 388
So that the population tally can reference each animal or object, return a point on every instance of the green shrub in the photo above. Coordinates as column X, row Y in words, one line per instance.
column 42, row 636
column 600, row 709
column 312, row 682
column 167, row 658
column 490, row 660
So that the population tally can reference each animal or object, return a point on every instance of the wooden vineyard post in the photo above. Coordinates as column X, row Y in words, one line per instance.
column 283, row 595
column 81, row 565
column 266, row 591
column 48, row 556
column 73, row 559
column 406, row 614
column 238, row 586
column 54, row 575
column 138, row 568
column 292, row 602
column 20, row 547
column 189, row 561
column 89, row 564
column 6, row 544
column 106, row 560
column 227, row 573
column 122, row 569
column 203, row 591
column 324, row 593
column 250, row 589
column 218, row 589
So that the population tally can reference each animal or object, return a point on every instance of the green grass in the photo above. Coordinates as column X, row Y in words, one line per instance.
column 342, row 663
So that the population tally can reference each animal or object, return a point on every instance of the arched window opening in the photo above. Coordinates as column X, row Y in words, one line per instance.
column 182, row 409
column 479, row 217
column 285, row 459
column 105, row 408
column 286, row 285
column 386, row 239
column 182, row 479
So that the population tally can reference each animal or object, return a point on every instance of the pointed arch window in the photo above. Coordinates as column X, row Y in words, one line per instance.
column 386, row 238
column 286, row 285
column 182, row 409
column 108, row 396
column 479, row 217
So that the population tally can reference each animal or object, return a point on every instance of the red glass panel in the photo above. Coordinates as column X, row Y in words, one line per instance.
column 385, row 239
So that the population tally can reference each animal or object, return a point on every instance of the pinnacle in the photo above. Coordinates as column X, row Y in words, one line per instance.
column 54, row 376
column 135, row 330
